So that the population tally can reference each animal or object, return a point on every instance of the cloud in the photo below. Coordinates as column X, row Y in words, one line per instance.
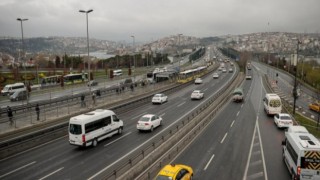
column 146, row 19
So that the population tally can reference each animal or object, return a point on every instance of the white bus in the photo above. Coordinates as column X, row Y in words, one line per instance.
column 90, row 128
column 301, row 154
column 272, row 104
column 117, row 72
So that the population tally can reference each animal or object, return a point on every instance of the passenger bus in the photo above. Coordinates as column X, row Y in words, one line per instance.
column 191, row 74
column 301, row 154
column 75, row 78
column 90, row 128
column 117, row 72
column 51, row 80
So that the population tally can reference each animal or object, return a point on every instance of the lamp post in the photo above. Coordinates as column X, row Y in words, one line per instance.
column 134, row 57
column 178, row 50
column 295, row 62
column 22, row 46
column 87, row 12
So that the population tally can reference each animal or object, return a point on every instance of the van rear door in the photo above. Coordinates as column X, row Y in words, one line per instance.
column 75, row 134
column 310, row 165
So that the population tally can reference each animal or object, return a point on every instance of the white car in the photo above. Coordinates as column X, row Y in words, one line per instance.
column 215, row 75
column 224, row 70
column 197, row 94
column 159, row 98
column 198, row 81
column 231, row 70
column 148, row 122
column 283, row 120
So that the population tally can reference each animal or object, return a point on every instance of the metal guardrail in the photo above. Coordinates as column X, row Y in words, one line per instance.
column 14, row 145
column 13, row 142
column 123, row 167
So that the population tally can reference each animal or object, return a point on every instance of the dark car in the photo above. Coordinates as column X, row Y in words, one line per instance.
column 92, row 83
column 19, row 95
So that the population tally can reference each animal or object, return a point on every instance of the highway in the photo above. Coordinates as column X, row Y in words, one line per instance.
column 59, row 160
column 285, row 87
column 241, row 142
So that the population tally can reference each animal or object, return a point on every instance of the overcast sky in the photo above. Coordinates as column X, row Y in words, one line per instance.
column 148, row 20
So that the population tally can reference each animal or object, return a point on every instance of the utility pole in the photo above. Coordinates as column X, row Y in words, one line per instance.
column 295, row 78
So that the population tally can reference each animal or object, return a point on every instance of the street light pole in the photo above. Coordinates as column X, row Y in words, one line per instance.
column 87, row 12
column 179, row 51
column 22, row 47
column 134, row 57
column 295, row 78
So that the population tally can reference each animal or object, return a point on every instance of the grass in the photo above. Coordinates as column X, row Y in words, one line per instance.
column 309, row 124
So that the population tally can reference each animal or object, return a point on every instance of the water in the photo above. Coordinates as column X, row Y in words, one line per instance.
column 99, row 54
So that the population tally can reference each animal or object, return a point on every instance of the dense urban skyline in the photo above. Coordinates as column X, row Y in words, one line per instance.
column 149, row 20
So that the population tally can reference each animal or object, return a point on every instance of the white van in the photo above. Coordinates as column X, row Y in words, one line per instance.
column 301, row 154
column 272, row 104
column 90, row 128
column 9, row 89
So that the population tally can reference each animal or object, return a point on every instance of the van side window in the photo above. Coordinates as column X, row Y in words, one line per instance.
column 97, row 124
column 107, row 121
column 292, row 153
column 17, row 87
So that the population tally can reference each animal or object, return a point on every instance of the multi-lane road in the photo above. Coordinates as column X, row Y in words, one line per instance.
column 241, row 142
column 59, row 160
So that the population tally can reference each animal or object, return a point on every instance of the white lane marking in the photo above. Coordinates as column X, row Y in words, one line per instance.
column 117, row 139
column 205, row 89
column 232, row 123
column 181, row 104
column 44, row 144
column 253, row 137
column 205, row 168
column 242, row 104
column 262, row 154
column 51, row 173
column 162, row 114
column 148, row 141
column 13, row 171
column 136, row 117
column 238, row 113
column 224, row 137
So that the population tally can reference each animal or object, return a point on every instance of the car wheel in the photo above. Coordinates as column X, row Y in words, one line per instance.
column 151, row 129
column 120, row 130
column 95, row 142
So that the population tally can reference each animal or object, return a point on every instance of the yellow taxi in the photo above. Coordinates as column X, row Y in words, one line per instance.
column 175, row 172
column 315, row 106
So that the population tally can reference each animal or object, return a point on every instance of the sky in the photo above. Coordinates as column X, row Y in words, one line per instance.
column 149, row 20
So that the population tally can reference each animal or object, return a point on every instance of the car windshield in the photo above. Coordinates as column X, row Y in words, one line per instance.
column 144, row 119
column 162, row 177
column 6, row 88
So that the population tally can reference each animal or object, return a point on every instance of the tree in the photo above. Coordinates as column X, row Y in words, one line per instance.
column 58, row 62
